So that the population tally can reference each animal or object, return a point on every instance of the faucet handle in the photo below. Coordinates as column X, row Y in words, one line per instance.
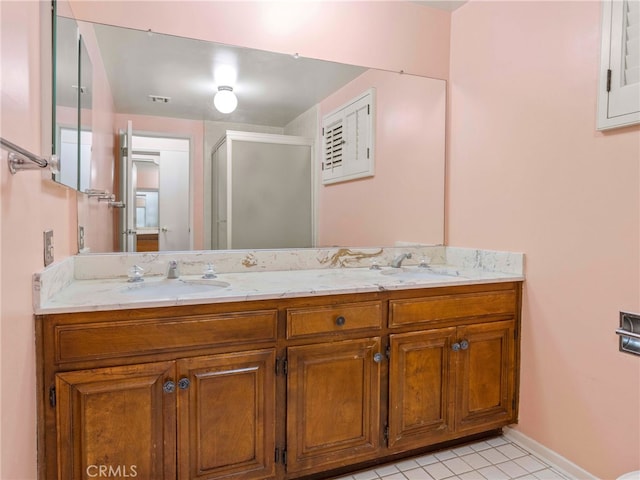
column 424, row 262
column 209, row 272
column 135, row 274
column 172, row 271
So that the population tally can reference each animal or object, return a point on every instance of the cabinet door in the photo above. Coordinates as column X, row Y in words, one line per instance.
column 333, row 404
column 116, row 422
column 226, row 406
column 486, row 372
column 421, row 387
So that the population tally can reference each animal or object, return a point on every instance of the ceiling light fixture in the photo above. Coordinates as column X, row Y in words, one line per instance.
column 225, row 100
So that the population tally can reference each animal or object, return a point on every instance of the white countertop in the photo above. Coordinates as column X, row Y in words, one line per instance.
column 157, row 291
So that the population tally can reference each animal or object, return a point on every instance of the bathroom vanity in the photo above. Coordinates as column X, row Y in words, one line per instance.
column 301, row 383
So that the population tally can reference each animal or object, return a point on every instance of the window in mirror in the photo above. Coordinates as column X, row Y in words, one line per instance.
column 348, row 140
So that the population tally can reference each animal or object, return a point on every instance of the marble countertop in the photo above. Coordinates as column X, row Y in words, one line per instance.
column 87, row 295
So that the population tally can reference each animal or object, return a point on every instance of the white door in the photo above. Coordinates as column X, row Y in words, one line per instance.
column 127, row 192
column 174, row 200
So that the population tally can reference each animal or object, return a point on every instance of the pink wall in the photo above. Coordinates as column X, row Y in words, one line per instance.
column 409, row 167
column 195, row 131
column 29, row 206
column 389, row 35
column 528, row 172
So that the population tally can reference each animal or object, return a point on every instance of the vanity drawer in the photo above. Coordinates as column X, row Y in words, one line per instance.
column 91, row 341
column 305, row 322
column 449, row 307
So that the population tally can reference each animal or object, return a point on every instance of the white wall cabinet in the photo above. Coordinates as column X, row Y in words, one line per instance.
column 348, row 140
column 619, row 86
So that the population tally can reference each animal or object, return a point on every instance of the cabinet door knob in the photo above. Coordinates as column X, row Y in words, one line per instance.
column 464, row 344
column 340, row 321
column 377, row 357
column 455, row 347
column 183, row 383
column 169, row 386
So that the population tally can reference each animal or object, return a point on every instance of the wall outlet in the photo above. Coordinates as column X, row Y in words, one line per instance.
column 80, row 238
column 48, row 247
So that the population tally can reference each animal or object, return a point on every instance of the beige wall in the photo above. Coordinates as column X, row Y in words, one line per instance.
column 528, row 172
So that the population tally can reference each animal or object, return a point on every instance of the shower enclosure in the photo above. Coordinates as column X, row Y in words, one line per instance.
column 262, row 191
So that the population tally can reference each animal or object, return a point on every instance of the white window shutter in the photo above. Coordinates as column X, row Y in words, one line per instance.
column 348, row 140
column 619, row 89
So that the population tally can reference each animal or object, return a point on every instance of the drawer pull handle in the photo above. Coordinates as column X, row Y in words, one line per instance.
column 183, row 383
column 169, row 386
column 340, row 321
column 455, row 347
column 464, row 344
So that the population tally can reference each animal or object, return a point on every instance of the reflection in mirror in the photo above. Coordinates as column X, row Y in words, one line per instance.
column 86, row 105
column 66, row 100
column 165, row 86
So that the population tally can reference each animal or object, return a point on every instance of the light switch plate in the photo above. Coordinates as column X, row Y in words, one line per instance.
column 48, row 247
column 80, row 238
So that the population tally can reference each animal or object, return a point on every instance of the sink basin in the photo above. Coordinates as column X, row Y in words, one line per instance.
column 173, row 288
column 419, row 273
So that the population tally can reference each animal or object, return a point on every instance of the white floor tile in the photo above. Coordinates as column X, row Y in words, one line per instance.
column 478, row 446
column 438, row 471
column 530, row 463
column 460, row 451
column 494, row 456
column 476, row 460
column 407, row 465
column 368, row 475
column 417, row 474
column 497, row 441
column 548, row 474
column 473, row 475
column 512, row 469
column 395, row 476
column 457, row 466
column 493, row 459
column 493, row 473
column 426, row 460
column 445, row 455
column 511, row 451
column 387, row 470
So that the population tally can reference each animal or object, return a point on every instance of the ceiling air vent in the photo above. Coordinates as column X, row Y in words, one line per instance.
column 159, row 99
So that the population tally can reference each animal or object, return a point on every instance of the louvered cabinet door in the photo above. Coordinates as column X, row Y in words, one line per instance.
column 421, row 387
column 226, row 406
column 333, row 404
column 486, row 375
column 117, row 422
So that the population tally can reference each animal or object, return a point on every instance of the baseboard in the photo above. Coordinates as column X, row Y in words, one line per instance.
column 558, row 462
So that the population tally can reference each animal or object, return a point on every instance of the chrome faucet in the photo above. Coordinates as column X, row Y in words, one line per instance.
column 172, row 272
column 397, row 262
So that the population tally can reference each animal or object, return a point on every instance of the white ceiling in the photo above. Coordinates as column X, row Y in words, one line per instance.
column 272, row 89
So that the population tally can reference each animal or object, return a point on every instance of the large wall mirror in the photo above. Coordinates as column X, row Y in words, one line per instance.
column 148, row 87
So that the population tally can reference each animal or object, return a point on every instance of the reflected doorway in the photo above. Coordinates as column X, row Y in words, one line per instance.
column 156, row 184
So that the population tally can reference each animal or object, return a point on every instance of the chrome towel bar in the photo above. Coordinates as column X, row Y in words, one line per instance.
column 21, row 159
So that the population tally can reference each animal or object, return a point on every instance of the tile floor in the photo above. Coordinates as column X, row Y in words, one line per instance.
column 493, row 459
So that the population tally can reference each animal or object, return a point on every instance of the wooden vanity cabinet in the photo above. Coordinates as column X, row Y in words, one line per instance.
column 454, row 372
column 275, row 389
column 159, row 394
